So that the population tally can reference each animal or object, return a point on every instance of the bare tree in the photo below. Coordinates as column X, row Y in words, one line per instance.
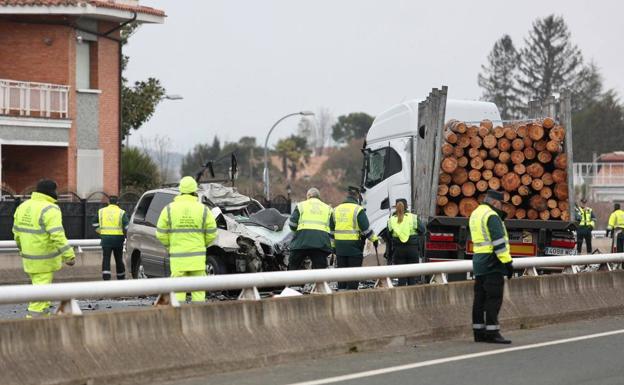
column 159, row 149
column 324, row 122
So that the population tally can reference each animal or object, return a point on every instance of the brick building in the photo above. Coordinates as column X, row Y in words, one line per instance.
column 60, row 92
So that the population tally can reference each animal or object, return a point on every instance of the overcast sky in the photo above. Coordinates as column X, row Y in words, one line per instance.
column 242, row 64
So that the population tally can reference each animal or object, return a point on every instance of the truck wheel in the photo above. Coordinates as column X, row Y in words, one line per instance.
column 215, row 265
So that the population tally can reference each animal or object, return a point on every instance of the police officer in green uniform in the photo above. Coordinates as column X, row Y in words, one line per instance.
column 351, row 228
column 586, row 222
column 490, row 263
column 405, row 229
column 311, row 221
column 112, row 224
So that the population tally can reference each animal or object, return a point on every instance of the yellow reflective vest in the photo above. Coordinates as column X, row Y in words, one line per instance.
column 481, row 238
column 586, row 217
column 186, row 228
column 404, row 230
column 616, row 220
column 346, row 222
column 39, row 234
column 110, row 219
column 313, row 215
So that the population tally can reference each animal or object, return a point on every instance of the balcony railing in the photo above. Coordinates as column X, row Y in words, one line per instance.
column 599, row 174
column 34, row 99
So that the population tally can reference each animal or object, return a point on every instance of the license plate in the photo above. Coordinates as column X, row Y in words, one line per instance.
column 559, row 251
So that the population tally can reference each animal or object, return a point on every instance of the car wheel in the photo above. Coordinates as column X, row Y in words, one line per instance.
column 138, row 270
column 215, row 265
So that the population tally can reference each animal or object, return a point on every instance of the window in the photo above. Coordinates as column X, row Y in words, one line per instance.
column 157, row 205
column 141, row 210
column 380, row 165
column 83, row 65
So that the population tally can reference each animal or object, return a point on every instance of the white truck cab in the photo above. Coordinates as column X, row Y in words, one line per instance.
column 389, row 153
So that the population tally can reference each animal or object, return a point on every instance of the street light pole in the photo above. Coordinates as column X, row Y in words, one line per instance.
column 265, row 174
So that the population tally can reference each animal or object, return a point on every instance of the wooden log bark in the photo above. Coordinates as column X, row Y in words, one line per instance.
column 472, row 131
column 450, row 209
column 449, row 164
column 561, row 191
column 458, row 152
column 483, row 132
column 526, row 180
column 450, row 136
column 447, row 149
column 506, row 196
column 532, row 214
column 504, row 157
column 467, row 206
column 444, row 178
column 522, row 131
column 498, row 132
column 486, row 123
column 500, row 169
column 504, row 144
column 468, row 189
column 510, row 133
column 454, row 191
column 442, row 200
column 537, row 184
column 462, row 161
column 561, row 161
column 546, row 192
column 482, row 185
column 474, row 175
column 494, row 183
column 536, row 170
column 457, row 126
column 476, row 142
column 443, row 190
column 476, row 163
column 548, row 123
column 559, row 176
column 524, row 191
column 516, row 200
column 536, row 131
column 517, row 144
column 520, row 213
column 489, row 141
column 489, row 164
column 554, row 146
column 460, row 176
column 557, row 134
column 517, row 157
column 487, row 174
column 519, row 169
column 494, row 153
column 547, row 178
column 538, row 203
column 529, row 153
column 510, row 181
column 544, row 157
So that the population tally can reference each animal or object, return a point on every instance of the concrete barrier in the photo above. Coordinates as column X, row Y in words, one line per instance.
column 139, row 346
column 88, row 267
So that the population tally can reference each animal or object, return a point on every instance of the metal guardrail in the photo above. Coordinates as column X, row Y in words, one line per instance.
column 78, row 244
column 34, row 99
column 166, row 287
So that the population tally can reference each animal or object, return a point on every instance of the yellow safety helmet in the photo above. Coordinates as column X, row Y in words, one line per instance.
column 188, row 185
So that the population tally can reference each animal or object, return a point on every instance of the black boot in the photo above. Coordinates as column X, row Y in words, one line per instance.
column 497, row 338
column 479, row 335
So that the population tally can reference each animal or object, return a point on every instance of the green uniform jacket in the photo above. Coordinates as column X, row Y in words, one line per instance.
column 352, row 248
column 483, row 264
column 112, row 240
column 309, row 239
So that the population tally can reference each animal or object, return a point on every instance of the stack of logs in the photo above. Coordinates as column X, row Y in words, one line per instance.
column 524, row 160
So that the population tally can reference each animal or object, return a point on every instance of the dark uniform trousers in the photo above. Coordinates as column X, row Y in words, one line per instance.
column 119, row 263
column 583, row 233
column 488, row 299
column 317, row 256
column 404, row 254
column 619, row 240
column 350, row 261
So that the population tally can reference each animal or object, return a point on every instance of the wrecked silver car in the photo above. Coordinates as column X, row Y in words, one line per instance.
column 250, row 238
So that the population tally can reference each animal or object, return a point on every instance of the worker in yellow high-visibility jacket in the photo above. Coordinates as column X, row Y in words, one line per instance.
column 112, row 224
column 186, row 227
column 40, row 237
column 615, row 228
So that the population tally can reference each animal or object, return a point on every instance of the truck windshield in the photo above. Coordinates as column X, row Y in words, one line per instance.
column 380, row 165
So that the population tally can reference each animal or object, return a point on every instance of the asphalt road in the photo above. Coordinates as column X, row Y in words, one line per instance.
column 587, row 352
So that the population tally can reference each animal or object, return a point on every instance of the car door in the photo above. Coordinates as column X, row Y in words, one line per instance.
column 152, row 251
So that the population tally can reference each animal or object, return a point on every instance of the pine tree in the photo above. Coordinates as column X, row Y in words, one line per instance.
column 498, row 78
column 549, row 62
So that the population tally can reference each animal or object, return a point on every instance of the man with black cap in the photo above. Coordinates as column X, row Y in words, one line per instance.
column 351, row 228
column 615, row 228
column 490, row 263
column 586, row 220
column 38, row 232
column 112, row 224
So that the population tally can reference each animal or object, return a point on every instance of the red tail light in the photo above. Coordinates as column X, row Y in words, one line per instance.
column 563, row 243
column 446, row 246
column 441, row 237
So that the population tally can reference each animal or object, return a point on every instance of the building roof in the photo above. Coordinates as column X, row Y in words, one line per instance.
column 57, row 6
column 616, row 156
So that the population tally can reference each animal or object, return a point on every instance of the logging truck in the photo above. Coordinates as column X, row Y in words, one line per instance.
column 443, row 155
